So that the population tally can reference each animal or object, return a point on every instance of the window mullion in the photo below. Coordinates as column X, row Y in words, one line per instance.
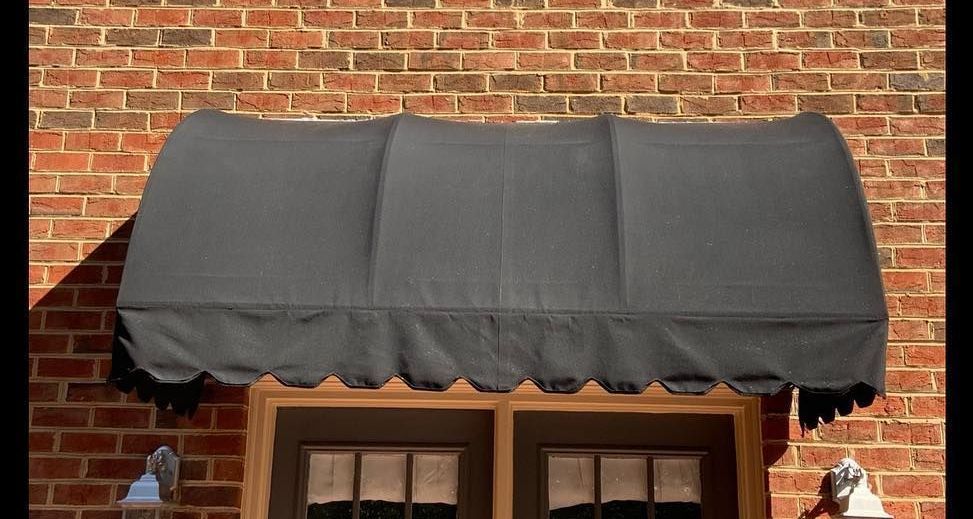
column 597, row 483
column 356, row 495
column 409, row 466
column 650, row 486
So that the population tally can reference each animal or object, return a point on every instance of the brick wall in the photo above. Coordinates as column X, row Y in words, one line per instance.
column 110, row 78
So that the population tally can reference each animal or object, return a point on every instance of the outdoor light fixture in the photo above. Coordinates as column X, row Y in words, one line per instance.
column 158, row 484
column 849, row 488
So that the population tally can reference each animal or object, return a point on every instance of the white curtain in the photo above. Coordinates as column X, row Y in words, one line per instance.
column 677, row 480
column 570, row 481
column 331, row 478
column 624, row 479
column 435, row 477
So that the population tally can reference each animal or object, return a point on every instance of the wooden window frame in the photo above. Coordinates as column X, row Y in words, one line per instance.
column 268, row 395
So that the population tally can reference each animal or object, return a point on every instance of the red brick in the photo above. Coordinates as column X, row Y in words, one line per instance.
column 70, row 77
column 570, row 82
column 488, row 19
column 439, row 19
column 81, row 494
column 319, row 102
column 601, row 20
column 490, row 61
column 714, row 61
column 773, row 19
column 271, row 18
column 928, row 406
column 88, row 442
column 430, row 103
column 92, row 392
column 54, row 468
column 161, row 17
column 107, row 17
column 775, row 61
column 354, row 39
column 210, row 496
column 748, row 40
column 519, row 40
column 909, row 381
column 681, row 39
column 821, row 457
column 228, row 470
column 850, row 431
column 912, row 485
column 628, row 83
column 37, row 494
column 485, row 103
column 218, row 18
column 114, row 468
column 206, row 58
column 374, row 103
column 660, row 19
column 242, row 38
column 830, row 18
column 111, row 207
column 544, row 61
column 143, row 444
column 38, row 441
column 574, row 40
column 716, row 19
column 212, row 444
column 42, row 391
column 830, row 60
column 185, row 80
column 709, row 105
column 768, row 103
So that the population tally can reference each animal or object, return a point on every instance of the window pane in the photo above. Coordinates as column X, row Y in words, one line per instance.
column 435, row 485
column 677, row 488
column 624, row 488
column 571, row 487
column 383, row 486
column 330, row 486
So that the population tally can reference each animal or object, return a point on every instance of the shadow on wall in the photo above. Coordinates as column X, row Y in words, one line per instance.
column 77, row 414
column 779, row 430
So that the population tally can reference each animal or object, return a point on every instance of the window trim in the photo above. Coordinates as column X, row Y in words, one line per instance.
column 268, row 395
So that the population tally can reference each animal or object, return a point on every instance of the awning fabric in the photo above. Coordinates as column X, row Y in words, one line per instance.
column 605, row 249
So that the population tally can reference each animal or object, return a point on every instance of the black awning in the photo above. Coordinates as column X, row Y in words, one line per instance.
column 604, row 249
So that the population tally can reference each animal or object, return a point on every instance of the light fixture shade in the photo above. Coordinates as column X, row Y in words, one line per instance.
column 143, row 492
column 849, row 488
column 157, row 486
column 862, row 503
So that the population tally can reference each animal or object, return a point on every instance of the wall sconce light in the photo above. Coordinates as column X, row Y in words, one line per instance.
column 849, row 488
column 158, row 484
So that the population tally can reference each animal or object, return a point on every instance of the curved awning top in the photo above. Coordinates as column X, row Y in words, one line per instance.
column 604, row 249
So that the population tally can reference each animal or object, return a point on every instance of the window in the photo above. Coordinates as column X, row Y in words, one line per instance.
column 385, row 483
column 616, row 465
column 370, row 463
column 620, row 485
column 465, row 454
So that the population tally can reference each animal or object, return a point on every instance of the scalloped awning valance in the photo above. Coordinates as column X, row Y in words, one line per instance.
column 604, row 249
